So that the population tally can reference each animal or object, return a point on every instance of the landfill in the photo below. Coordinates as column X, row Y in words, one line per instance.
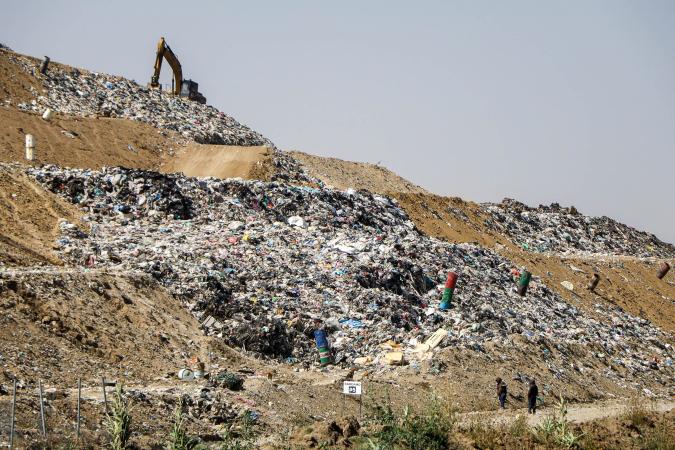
column 90, row 94
column 262, row 265
column 557, row 229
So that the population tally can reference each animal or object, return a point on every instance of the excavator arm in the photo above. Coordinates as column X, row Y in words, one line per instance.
column 181, row 87
column 164, row 52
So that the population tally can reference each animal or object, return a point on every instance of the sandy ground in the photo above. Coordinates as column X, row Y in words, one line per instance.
column 347, row 174
column 221, row 161
column 29, row 218
column 89, row 143
column 575, row 413
column 16, row 86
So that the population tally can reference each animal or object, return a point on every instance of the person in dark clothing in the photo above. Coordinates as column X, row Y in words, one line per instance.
column 532, row 393
column 501, row 392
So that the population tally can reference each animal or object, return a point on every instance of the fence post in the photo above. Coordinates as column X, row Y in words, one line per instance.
column 105, row 396
column 11, row 427
column 42, row 411
column 79, row 396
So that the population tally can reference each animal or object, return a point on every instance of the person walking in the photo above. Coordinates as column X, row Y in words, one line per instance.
column 501, row 392
column 532, row 393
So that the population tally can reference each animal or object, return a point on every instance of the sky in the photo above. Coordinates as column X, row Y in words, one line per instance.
column 543, row 101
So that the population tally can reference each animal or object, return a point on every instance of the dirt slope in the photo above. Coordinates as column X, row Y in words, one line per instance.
column 82, row 142
column 347, row 174
column 221, row 161
column 628, row 282
column 91, row 324
column 29, row 219
column 16, row 86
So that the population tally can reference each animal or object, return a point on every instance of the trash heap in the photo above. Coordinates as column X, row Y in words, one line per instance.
column 564, row 230
column 262, row 265
column 89, row 94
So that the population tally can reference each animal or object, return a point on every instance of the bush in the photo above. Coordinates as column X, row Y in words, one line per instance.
column 238, row 435
column 638, row 412
column 555, row 430
column 118, row 421
column 411, row 430
column 178, row 439
column 483, row 434
column 658, row 439
column 519, row 427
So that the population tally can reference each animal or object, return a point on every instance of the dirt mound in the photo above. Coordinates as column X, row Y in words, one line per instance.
column 29, row 219
column 346, row 174
column 222, row 161
column 89, row 143
column 16, row 86
column 89, row 324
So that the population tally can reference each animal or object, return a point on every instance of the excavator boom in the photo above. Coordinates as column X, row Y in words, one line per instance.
column 182, row 88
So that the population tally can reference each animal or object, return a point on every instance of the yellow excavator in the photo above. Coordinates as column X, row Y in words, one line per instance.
column 180, row 87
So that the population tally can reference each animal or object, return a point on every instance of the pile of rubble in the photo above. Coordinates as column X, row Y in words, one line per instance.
column 262, row 265
column 564, row 230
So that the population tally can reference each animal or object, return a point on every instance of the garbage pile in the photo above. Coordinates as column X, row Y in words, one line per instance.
column 263, row 265
column 83, row 93
column 89, row 94
column 564, row 230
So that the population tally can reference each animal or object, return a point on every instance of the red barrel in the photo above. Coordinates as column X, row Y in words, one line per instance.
column 663, row 270
column 452, row 280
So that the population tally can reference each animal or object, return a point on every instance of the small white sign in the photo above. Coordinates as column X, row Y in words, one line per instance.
column 351, row 387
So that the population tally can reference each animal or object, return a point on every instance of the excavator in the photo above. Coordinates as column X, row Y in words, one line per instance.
column 181, row 87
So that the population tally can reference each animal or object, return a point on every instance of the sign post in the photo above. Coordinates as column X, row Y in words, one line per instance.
column 352, row 388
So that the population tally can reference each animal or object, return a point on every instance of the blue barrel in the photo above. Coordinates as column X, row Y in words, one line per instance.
column 321, row 339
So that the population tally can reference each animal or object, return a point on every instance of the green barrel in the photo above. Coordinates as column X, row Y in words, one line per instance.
column 523, row 282
column 324, row 356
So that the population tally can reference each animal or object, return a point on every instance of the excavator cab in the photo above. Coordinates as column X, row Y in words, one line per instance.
column 181, row 87
column 190, row 89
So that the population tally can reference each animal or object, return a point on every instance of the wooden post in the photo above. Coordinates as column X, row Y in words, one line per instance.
column 79, row 396
column 105, row 396
column 344, row 401
column 42, row 410
column 11, row 427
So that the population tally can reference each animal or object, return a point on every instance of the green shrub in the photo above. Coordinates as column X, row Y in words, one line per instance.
column 430, row 429
column 555, row 430
column 179, row 439
column 118, row 421
column 239, row 434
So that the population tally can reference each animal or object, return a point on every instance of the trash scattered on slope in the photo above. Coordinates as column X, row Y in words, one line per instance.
column 567, row 285
column 89, row 94
column 564, row 230
column 357, row 267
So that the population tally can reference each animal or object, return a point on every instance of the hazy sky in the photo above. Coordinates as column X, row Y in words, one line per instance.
column 567, row 101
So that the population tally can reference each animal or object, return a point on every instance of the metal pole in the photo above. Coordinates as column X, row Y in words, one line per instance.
column 105, row 397
column 42, row 411
column 79, row 395
column 11, row 427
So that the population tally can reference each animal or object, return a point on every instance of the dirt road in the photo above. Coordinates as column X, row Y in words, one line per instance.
column 575, row 413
